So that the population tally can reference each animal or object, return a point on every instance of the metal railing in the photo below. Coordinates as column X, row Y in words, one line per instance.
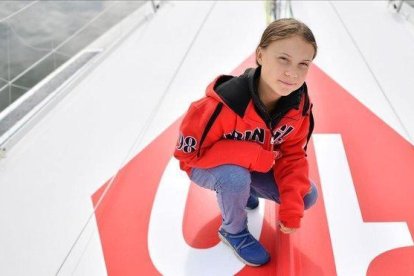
column 34, row 45
column 32, row 59
column 403, row 7
column 276, row 9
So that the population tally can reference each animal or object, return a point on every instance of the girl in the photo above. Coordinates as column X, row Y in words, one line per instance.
column 247, row 137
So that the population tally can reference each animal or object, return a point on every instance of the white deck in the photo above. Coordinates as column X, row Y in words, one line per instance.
column 144, row 85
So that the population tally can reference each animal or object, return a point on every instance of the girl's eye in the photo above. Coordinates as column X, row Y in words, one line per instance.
column 305, row 64
column 283, row 58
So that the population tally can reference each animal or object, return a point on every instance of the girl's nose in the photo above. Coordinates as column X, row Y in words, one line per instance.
column 291, row 74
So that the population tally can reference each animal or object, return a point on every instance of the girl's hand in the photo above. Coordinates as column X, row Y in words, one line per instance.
column 286, row 230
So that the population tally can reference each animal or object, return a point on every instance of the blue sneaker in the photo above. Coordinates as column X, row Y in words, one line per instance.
column 246, row 247
column 252, row 202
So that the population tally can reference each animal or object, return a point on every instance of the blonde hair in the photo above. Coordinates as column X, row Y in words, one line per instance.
column 285, row 28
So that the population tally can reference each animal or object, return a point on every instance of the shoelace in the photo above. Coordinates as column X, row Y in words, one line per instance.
column 242, row 244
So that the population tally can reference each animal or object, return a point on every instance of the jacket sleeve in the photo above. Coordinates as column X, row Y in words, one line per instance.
column 292, row 176
column 214, row 150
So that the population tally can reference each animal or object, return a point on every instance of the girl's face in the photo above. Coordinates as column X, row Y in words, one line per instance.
column 285, row 64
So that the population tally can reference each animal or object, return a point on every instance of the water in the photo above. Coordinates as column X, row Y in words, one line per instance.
column 31, row 30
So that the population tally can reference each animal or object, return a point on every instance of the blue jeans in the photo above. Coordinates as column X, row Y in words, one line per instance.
column 234, row 184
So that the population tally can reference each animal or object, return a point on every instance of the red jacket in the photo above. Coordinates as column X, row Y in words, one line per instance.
column 230, row 125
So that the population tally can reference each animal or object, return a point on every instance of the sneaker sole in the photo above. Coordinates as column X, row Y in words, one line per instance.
column 223, row 239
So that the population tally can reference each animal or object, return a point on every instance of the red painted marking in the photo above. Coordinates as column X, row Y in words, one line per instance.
column 395, row 262
column 201, row 221
column 381, row 164
column 124, row 213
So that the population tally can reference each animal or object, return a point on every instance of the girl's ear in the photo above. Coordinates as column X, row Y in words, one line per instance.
column 259, row 55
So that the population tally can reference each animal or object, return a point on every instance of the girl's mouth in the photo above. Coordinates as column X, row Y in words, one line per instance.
column 287, row 83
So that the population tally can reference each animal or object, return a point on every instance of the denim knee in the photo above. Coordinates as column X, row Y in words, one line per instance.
column 232, row 178
column 311, row 197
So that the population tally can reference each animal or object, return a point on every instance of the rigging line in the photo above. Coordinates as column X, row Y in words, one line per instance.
column 20, row 86
column 140, row 135
column 151, row 116
column 289, row 2
column 372, row 73
column 145, row 27
column 88, row 220
column 16, row 12
column 62, row 54
column 92, row 233
column 8, row 63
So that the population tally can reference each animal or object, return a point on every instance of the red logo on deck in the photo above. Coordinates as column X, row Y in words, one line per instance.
column 381, row 165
